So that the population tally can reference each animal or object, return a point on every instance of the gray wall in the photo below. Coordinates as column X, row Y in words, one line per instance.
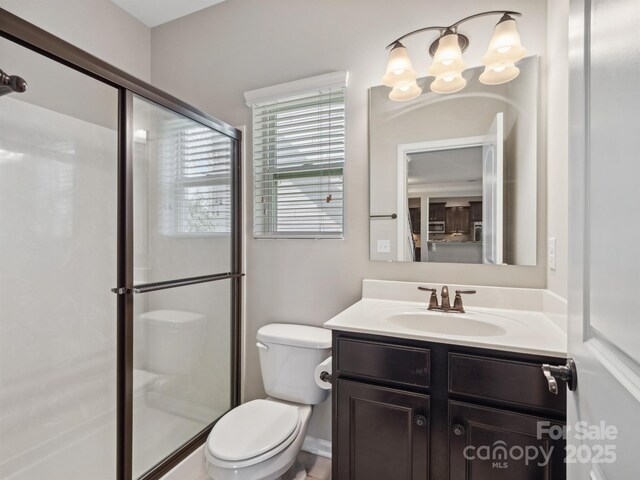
column 524, row 156
column 97, row 26
column 243, row 45
column 557, row 142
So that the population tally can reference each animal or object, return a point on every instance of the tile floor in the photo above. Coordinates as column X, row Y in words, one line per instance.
column 318, row 468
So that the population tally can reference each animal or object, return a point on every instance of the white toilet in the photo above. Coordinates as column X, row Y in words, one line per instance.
column 260, row 440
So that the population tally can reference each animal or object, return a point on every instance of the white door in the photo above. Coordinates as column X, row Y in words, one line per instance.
column 492, row 192
column 604, row 242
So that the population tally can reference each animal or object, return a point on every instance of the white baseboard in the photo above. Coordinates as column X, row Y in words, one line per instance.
column 317, row 446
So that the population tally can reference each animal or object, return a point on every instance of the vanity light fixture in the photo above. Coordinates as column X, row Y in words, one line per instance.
column 505, row 49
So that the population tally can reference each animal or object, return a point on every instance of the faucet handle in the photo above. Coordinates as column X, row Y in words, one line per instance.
column 457, row 302
column 433, row 300
column 426, row 289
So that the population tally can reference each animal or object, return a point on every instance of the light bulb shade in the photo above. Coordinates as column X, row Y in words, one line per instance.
column 446, row 84
column 441, row 70
column 399, row 69
column 405, row 92
column 448, row 49
column 499, row 73
column 505, row 46
column 447, row 60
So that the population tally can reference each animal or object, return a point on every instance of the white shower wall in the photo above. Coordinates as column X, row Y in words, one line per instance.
column 57, row 250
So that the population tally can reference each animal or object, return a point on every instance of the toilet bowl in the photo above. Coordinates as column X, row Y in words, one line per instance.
column 261, row 439
column 258, row 440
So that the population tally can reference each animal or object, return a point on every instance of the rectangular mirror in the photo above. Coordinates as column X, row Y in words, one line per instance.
column 453, row 177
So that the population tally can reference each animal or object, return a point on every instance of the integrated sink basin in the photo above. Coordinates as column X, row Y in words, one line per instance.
column 495, row 318
column 447, row 324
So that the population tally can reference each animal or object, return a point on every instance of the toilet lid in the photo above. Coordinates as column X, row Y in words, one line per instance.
column 252, row 429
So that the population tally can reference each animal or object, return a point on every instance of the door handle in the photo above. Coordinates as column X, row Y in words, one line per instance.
column 567, row 373
column 553, row 384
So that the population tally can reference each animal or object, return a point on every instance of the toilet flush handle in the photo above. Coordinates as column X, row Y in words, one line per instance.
column 262, row 346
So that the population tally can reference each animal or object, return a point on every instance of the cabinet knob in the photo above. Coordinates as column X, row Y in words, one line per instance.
column 458, row 429
column 420, row 420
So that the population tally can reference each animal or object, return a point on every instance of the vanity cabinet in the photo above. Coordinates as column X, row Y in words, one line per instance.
column 405, row 409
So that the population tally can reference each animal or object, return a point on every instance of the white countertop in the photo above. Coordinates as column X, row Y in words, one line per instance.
column 520, row 330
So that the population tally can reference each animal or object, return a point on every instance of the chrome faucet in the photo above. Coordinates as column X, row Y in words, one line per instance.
column 445, row 305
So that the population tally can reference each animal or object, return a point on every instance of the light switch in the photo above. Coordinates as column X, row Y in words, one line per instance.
column 552, row 254
column 384, row 246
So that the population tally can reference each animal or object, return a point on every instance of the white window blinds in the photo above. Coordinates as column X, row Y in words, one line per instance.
column 195, row 179
column 298, row 157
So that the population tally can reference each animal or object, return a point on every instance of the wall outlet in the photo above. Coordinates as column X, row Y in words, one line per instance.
column 552, row 254
column 384, row 246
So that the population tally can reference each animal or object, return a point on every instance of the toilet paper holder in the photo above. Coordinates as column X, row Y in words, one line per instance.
column 326, row 377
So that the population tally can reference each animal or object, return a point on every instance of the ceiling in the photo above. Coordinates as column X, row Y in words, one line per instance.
column 156, row 12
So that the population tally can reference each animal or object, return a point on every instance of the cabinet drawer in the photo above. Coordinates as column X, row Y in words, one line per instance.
column 384, row 361
column 507, row 381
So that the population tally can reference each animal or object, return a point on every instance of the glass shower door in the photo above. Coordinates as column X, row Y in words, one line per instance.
column 119, row 268
column 58, row 191
column 182, row 206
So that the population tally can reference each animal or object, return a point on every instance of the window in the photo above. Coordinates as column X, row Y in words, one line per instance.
column 195, row 179
column 298, row 158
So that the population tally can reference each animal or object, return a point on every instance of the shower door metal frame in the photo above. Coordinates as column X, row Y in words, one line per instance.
column 19, row 31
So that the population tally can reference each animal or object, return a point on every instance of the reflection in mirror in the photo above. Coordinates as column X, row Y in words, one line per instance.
column 459, row 170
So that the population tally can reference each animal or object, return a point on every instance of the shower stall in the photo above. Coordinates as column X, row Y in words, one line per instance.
column 120, row 268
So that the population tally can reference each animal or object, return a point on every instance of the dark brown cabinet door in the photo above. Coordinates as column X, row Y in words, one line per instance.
column 457, row 220
column 437, row 212
column 463, row 219
column 451, row 222
column 382, row 433
column 476, row 211
column 491, row 444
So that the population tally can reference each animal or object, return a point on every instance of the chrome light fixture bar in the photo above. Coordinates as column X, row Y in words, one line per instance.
column 504, row 50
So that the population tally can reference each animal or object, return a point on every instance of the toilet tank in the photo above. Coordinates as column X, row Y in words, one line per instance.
column 289, row 355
